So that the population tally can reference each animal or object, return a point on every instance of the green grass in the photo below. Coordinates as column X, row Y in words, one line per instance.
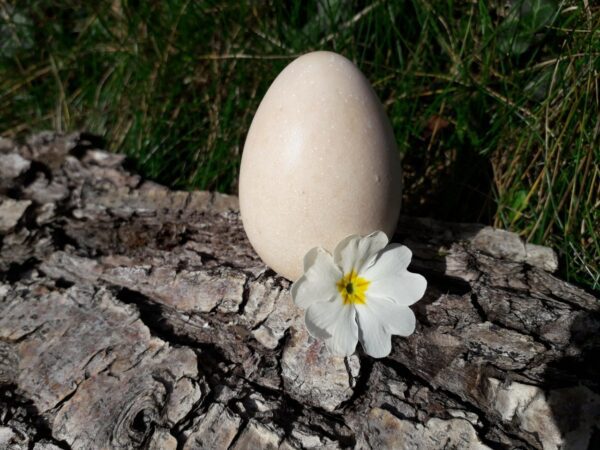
column 495, row 109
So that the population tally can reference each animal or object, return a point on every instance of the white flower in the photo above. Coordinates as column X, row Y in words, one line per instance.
column 362, row 292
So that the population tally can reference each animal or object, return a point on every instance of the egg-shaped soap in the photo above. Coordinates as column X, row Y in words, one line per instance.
column 320, row 162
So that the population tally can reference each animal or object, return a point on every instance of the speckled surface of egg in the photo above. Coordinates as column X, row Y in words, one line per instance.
column 320, row 162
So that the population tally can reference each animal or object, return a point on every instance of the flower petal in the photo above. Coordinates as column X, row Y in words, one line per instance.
column 404, row 288
column 373, row 335
column 395, row 318
column 311, row 256
column 320, row 317
column 389, row 261
column 344, row 336
column 353, row 252
column 390, row 279
column 318, row 282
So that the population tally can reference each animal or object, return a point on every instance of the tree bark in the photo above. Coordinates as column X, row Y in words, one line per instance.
column 136, row 316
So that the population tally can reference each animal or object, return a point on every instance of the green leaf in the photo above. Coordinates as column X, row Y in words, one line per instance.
column 526, row 18
column 535, row 14
column 16, row 32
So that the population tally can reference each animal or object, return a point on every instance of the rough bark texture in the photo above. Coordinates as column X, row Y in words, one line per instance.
column 135, row 316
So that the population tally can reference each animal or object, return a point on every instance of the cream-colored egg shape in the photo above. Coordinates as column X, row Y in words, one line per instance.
column 320, row 162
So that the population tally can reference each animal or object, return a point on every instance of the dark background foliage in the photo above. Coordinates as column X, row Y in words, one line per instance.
column 495, row 104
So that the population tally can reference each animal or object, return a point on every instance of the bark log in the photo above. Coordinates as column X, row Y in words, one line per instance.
column 136, row 316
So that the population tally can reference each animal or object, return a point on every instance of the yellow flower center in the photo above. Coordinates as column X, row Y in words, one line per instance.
column 353, row 288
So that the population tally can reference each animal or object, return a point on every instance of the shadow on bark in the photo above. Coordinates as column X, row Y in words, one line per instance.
column 573, row 380
column 23, row 418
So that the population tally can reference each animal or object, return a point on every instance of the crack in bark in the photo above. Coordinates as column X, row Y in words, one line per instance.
column 486, row 427
column 17, row 410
